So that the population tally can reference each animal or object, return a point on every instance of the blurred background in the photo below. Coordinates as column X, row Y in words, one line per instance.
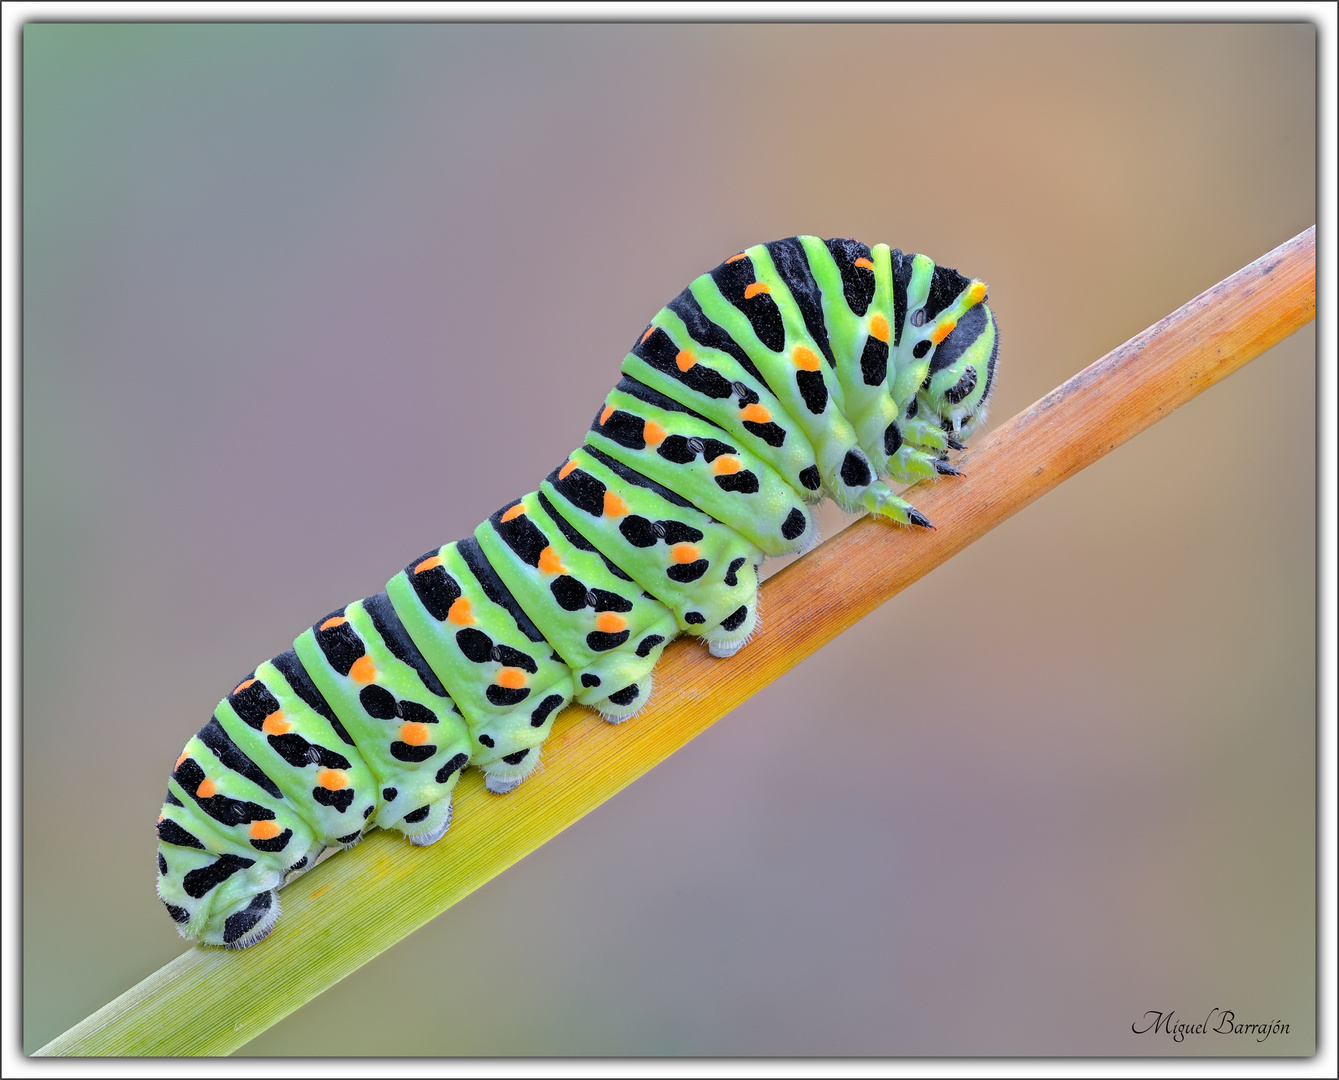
column 303, row 301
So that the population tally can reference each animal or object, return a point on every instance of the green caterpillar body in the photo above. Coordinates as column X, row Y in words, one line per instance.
column 794, row 370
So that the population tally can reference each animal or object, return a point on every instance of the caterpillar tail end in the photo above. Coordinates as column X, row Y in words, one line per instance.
column 260, row 930
column 249, row 922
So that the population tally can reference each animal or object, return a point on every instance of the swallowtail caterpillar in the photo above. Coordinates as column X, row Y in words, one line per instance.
column 795, row 370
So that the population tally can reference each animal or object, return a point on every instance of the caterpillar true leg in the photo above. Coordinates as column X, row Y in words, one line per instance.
column 795, row 370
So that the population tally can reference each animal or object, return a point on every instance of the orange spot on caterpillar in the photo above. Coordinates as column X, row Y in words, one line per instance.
column 264, row 830
column 513, row 678
column 242, row 685
column 562, row 473
column 725, row 465
column 515, row 512
column 333, row 621
column 684, row 553
column 549, row 563
column 736, row 258
column 649, row 331
column 653, row 433
column 611, row 623
column 415, row 734
column 363, row 670
column 332, row 779
column 606, row 413
column 614, row 506
column 275, row 724
column 460, row 612
column 428, row 564
column 755, row 413
column 977, row 292
column 184, row 756
column 943, row 330
column 864, row 263
column 206, row 789
column 805, row 358
column 160, row 820
column 878, row 328
column 685, row 360
column 753, row 290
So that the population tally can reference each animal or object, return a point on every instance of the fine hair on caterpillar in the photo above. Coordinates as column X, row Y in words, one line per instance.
column 794, row 371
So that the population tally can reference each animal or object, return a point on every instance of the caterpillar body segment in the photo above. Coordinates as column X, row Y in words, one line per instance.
column 794, row 371
column 587, row 612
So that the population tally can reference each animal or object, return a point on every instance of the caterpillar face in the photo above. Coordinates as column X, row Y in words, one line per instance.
column 962, row 373
column 795, row 370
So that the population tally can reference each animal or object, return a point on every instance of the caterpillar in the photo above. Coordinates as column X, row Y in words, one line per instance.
column 793, row 371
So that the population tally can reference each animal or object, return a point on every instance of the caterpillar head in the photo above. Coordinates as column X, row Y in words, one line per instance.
column 962, row 373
